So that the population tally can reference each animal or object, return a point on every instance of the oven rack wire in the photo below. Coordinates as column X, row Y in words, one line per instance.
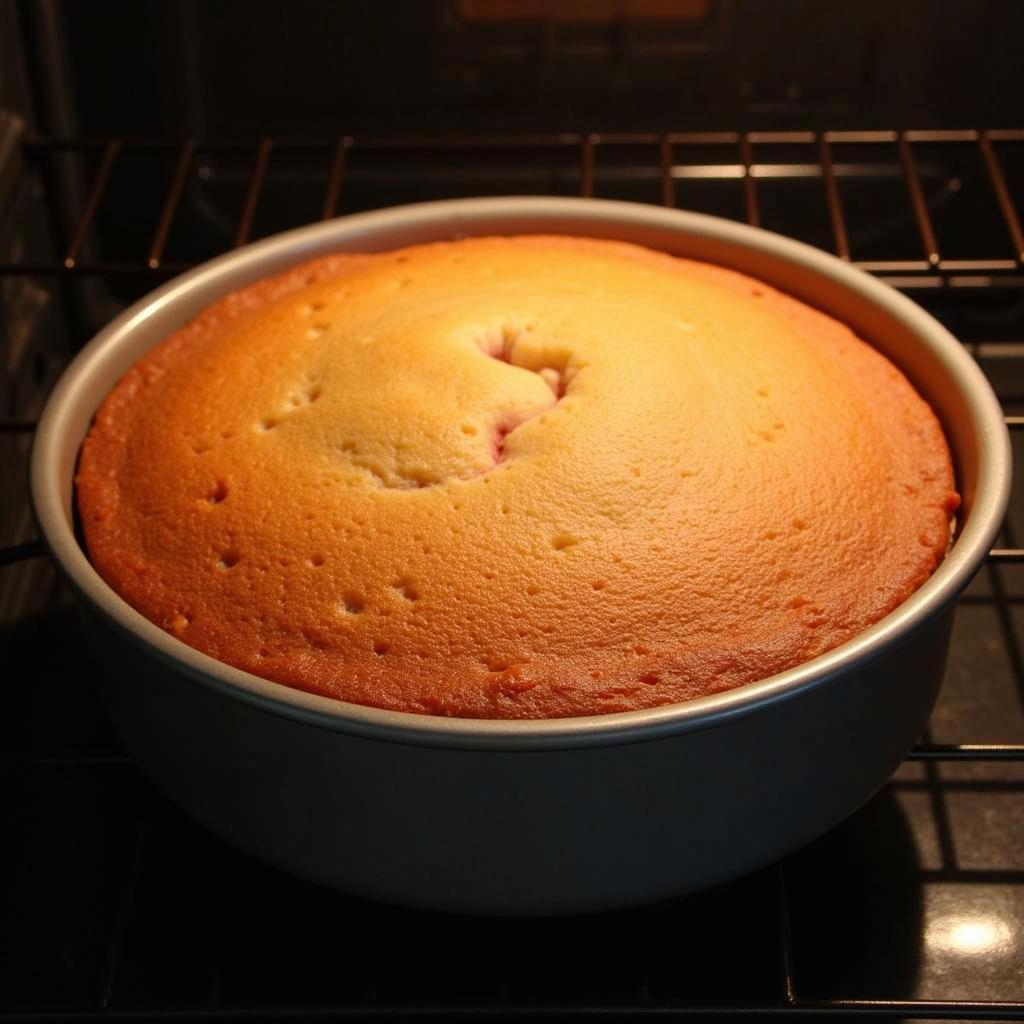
column 930, row 270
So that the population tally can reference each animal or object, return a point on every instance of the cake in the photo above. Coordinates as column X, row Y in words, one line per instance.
column 525, row 477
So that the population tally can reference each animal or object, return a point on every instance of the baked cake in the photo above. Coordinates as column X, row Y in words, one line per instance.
column 528, row 477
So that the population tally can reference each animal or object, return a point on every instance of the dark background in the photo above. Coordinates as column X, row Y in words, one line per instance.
column 233, row 68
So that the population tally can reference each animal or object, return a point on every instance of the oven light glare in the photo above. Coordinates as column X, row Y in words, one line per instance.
column 971, row 936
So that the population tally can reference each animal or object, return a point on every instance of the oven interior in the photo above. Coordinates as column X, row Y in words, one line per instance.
column 127, row 159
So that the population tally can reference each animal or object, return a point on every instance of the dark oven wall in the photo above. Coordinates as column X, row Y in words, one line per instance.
column 305, row 68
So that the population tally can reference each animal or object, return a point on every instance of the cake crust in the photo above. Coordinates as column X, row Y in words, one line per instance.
column 527, row 477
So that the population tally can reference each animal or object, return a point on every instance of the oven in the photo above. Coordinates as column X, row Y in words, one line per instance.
column 127, row 159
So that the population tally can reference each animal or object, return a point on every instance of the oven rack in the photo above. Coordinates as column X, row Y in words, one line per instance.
column 669, row 148
column 74, row 258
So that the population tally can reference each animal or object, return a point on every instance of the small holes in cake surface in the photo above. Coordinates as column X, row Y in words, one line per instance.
column 407, row 589
column 352, row 604
column 267, row 423
column 469, row 430
column 599, row 584
column 217, row 493
column 316, row 561
column 306, row 395
column 380, row 648
column 228, row 560
column 564, row 541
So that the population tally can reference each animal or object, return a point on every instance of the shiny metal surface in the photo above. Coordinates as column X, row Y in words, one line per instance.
column 534, row 816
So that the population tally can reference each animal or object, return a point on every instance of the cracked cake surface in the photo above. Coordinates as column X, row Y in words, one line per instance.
column 527, row 477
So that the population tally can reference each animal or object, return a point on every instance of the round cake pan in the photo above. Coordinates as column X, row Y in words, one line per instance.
column 531, row 817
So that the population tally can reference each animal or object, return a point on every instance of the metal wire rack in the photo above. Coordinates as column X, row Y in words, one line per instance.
column 661, row 169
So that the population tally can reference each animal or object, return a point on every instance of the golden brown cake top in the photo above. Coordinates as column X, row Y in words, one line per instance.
column 514, row 477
